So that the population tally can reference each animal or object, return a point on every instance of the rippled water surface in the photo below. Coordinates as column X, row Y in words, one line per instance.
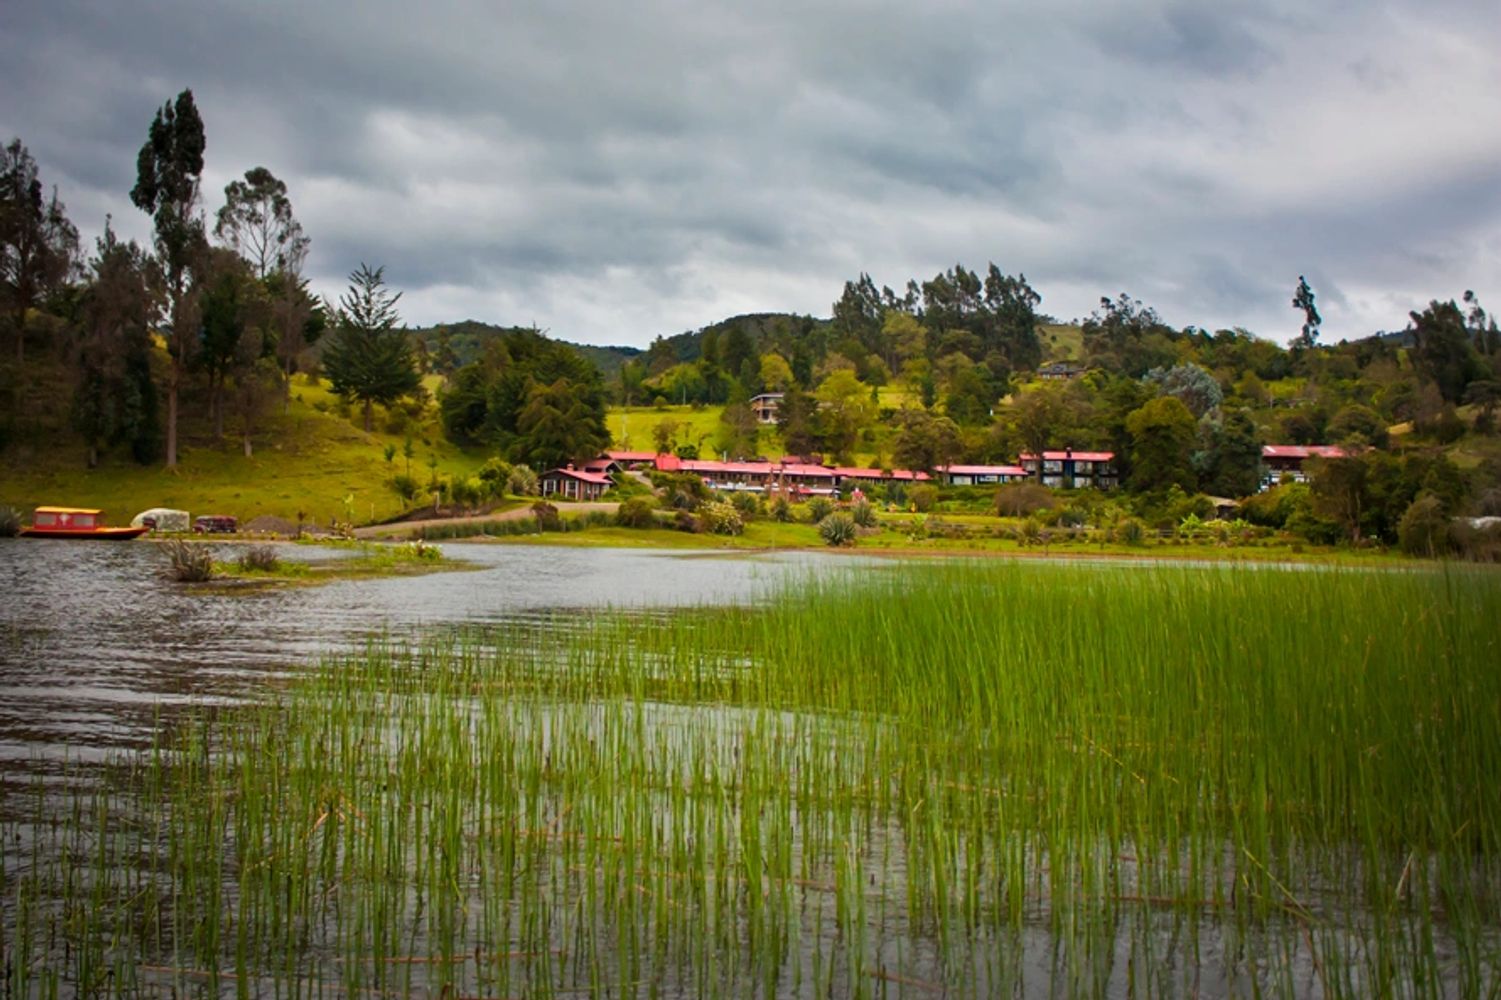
column 94, row 640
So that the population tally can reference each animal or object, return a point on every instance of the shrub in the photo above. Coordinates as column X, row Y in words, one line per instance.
column 685, row 521
column 1424, row 529
column 838, row 529
column 405, row 486
column 781, row 510
column 1131, row 531
column 547, row 516
column 863, row 514
column 496, row 475
column 10, row 522
column 923, row 497
column 819, row 508
column 188, row 562
column 522, row 481
column 636, row 512
column 748, row 504
column 262, row 558
column 1021, row 499
column 720, row 518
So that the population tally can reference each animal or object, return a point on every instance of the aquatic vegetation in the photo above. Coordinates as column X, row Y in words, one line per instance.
column 971, row 778
column 188, row 562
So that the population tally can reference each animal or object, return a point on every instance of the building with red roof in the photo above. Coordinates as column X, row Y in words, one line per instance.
column 573, row 484
column 981, row 475
column 1069, row 469
column 1280, row 461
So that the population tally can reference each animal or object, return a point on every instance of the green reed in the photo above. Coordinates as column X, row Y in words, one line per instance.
column 971, row 778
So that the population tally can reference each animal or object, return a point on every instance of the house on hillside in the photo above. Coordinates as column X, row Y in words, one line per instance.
column 849, row 477
column 1061, row 371
column 1069, row 469
column 981, row 475
column 573, row 484
column 1287, row 460
column 765, row 406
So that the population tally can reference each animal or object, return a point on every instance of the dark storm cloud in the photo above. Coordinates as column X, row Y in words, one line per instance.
column 615, row 171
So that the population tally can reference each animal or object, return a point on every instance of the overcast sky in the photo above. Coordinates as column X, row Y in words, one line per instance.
column 612, row 171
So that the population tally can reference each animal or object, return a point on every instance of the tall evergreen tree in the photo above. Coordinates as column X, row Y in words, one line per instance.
column 168, row 170
column 38, row 245
column 370, row 360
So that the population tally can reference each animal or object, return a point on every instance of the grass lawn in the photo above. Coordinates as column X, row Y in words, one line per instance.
column 306, row 459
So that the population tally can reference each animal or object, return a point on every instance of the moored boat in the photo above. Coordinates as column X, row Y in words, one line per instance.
column 76, row 522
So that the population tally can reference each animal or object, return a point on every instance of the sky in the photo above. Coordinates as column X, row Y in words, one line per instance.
column 612, row 172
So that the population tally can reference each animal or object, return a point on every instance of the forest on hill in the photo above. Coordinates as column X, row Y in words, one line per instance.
column 116, row 347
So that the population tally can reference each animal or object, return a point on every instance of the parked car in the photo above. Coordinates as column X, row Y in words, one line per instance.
column 215, row 524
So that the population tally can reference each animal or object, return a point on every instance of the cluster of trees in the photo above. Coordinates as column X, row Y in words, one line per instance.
column 532, row 399
column 1183, row 410
column 216, row 317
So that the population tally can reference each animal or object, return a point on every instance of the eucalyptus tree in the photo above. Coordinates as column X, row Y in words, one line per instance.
column 168, row 170
column 256, row 222
column 38, row 245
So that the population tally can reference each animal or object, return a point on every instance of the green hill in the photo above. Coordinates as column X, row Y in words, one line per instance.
column 307, row 458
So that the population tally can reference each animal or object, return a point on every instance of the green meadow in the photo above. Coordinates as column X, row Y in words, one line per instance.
column 963, row 778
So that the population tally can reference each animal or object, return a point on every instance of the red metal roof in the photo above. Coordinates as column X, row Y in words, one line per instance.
column 897, row 474
column 579, row 474
column 985, row 470
column 1081, row 456
column 667, row 463
column 812, row 471
column 1302, row 451
column 631, row 456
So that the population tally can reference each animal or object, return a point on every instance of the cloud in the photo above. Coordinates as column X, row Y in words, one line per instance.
column 612, row 172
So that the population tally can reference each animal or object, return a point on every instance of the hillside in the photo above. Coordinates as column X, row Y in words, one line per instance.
column 467, row 339
column 306, row 458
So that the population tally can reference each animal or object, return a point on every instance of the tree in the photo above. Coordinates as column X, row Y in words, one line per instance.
column 1339, row 489
column 1442, row 350
column 555, row 427
column 1195, row 387
column 257, row 223
column 776, row 373
column 795, row 421
column 369, row 359
column 1039, row 414
column 1485, row 394
column 1162, row 440
column 1303, row 299
column 1235, row 462
column 845, row 410
column 738, row 430
column 38, row 245
column 167, row 173
column 925, row 441
column 114, row 400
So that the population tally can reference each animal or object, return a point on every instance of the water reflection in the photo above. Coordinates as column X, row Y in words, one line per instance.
column 95, row 641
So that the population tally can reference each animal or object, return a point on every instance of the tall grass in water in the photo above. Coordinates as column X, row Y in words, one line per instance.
column 972, row 779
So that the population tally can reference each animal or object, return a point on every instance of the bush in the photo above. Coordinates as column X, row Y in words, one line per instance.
column 188, row 562
column 636, row 512
column 748, row 504
column 720, row 518
column 496, row 475
column 10, row 522
column 1424, row 530
column 261, row 558
column 1131, row 532
column 522, row 481
column 685, row 521
column 819, row 508
column 863, row 514
column 547, row 516
column 838, row 529
column 406, row 487
column 1021, row 499
column 923, row 497
column 781, row 510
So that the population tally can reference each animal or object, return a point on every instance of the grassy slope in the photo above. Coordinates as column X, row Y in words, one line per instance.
column 304, row 460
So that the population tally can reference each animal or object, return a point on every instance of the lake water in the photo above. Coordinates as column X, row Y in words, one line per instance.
column 95, row 641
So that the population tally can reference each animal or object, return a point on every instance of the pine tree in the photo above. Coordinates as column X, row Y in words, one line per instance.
column 370, row 360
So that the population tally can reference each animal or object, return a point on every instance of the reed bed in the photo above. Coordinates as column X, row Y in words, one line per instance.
column 963, row 780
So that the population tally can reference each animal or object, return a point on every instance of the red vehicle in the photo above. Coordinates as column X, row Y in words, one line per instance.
column 215, row 524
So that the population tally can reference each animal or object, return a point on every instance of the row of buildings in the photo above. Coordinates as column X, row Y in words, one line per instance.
column 798, row 478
